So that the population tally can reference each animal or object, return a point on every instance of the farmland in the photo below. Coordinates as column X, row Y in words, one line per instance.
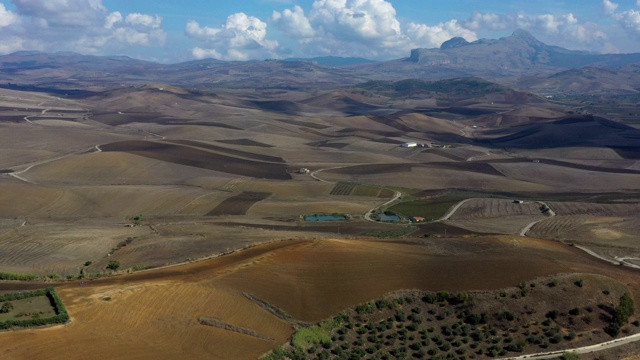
column 468, row 325
column 197, row 196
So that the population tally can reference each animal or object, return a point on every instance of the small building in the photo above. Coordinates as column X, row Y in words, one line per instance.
column 416, row 219
column 518, row 201
column 409, row 144
column 303, row 171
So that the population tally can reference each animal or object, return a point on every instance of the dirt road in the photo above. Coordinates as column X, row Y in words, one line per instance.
column 581, row 350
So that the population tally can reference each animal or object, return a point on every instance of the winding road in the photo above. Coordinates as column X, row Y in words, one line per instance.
column 396, row 195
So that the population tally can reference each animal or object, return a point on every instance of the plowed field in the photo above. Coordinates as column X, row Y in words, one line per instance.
column 155, row 314
column 199, row 158
column 491, row 208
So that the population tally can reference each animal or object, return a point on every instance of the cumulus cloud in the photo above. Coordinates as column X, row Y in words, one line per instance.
column 565, row 29
column 241, row 37
column 609, row 6
column 629, row 20
column 62, row 12
column 434, row 36
column 294, row 23
column 361, row 27
column 7, row 17
column 85, row 26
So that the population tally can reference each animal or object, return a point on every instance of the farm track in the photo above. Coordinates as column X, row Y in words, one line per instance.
column 367, row 216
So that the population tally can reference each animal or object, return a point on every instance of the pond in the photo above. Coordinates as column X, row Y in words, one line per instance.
column 384, row 217
column 325, row 218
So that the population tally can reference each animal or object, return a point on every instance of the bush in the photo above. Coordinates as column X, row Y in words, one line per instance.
column 579, row 283
column 6, row 307
column 575, row 311
column 570, row 356
column 113, row 265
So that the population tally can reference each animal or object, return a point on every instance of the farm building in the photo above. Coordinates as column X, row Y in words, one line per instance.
column 409, row 144
column 417, row 219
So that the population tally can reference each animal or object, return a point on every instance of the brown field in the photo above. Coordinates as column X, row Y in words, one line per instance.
column 155, row 313
column 238, row 204
column 185, row 155
column 211, row 173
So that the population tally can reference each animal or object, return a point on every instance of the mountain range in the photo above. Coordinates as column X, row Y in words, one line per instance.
column 519, row 60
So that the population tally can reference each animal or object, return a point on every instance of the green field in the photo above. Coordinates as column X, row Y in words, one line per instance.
column 430, row 209
column 32, row 308
column 29, row 308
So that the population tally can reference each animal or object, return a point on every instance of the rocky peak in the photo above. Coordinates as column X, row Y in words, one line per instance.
column 454, row 43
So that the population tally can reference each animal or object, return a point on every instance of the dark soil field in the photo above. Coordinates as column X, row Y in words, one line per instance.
column 189, row 156
column 232, row 152
column 238, row 204
column 246, row 142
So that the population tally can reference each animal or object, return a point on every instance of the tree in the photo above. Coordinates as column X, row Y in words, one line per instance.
column 625, row 309
column 6, row 307
column 113, row 265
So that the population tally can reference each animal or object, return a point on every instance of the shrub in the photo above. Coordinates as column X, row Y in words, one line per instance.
column 6, row 307
column 570, row 356
column 575, row 311
column 553, row 314
column 579, row 283
column 113, row 265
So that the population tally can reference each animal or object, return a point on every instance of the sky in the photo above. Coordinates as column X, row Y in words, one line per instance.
column 170, row 31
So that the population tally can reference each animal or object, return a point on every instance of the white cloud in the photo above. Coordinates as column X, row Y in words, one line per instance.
column 293, row 22
column 7, row 17
column 367, row 28
column 629, row 20
column 112, row 19
column 433, row 36
column 144, row 20
column 610, row 7
column 241, row 37
column 84, row 26
column 62, row 12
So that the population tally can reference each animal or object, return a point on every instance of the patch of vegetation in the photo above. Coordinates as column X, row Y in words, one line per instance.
column 12, row 318
column 12, row 276
column 430, row 209
column 113, row 265
column 343, row 188
column 414, row 324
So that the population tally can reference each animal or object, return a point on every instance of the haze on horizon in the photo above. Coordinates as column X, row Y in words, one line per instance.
column 258, row 29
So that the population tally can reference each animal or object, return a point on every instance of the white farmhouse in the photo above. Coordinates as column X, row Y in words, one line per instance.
column 409, row 144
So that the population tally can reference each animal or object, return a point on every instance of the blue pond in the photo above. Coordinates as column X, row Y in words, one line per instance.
column 325, row 218
column 384, row 217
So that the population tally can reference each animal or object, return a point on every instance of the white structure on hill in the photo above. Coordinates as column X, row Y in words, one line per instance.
column 409, row 144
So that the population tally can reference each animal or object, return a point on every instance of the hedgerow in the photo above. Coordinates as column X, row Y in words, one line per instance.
column 61, row 316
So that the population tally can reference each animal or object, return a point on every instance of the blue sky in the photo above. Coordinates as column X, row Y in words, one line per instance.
column 174, row 31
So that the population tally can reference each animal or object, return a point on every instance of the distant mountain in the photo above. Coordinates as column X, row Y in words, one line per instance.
column 334, row 60
column 519, row 60
column 515, row 55
column 587, row 80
